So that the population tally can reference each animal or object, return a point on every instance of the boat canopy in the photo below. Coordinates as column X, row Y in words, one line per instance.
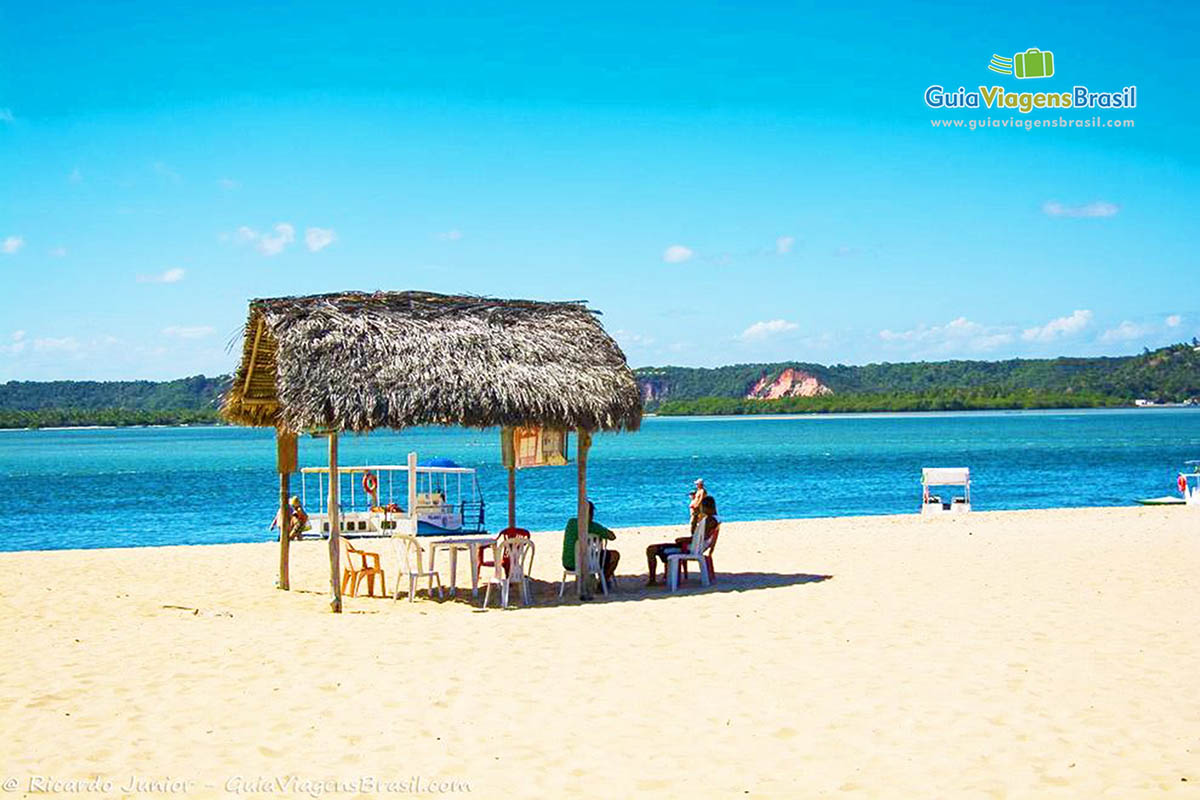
column 436, row 462
column 452, row 470
column 946, row 476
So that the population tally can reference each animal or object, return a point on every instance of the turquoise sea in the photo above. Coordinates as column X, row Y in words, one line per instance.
column 153, row 486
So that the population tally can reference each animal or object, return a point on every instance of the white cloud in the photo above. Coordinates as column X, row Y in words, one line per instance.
column 1125, row 332
column 58, row 252
column 173, row 275
column 1173, row 321
column 12, row 244
column 76, row 176
column 182, row 332
column 766, row 329
column 18, row 343
column 632, row 339
column 1097, row 209
column 67, row 344
column 959, row 334
column 783, row 244
column 846, row 250
column 677, row 254
column 319, row 238
column 6, row 115
column 450, row 236
column 269, row 244
column 1058, row 328
column 228, row 184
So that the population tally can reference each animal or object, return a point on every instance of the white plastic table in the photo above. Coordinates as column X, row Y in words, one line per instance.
column 468, row 543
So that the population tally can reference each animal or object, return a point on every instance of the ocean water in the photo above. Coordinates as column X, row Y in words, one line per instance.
column 153, row 486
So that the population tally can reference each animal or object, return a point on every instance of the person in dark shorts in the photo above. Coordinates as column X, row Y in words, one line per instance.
column 655, row 552
column 571, row 536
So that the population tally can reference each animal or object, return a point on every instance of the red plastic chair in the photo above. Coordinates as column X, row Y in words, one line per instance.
column 514, row 533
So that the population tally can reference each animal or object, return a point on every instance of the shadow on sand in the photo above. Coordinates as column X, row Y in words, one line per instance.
column 629, row 588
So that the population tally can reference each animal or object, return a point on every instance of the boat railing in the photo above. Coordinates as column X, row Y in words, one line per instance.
column 471, row 512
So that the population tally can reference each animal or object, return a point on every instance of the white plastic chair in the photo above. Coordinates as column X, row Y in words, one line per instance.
column 595, row 559
column 410, row 553
column 517, row 553
column 695, row 552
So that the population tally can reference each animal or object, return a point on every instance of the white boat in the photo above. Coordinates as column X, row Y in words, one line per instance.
column 1188, row 484
column 445, row 495
column 945, row 477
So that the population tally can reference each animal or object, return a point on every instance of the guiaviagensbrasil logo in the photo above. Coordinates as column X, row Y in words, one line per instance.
column 1033, row 63
column 1030, row 63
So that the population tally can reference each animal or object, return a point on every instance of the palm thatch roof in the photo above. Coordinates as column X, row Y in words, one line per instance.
column 354, row 361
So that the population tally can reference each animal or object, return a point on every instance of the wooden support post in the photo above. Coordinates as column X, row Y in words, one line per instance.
column 412, row 492
column 285, row 530
column 512, row 497
column 285, row 464
column 335, row 534
column 583, row 518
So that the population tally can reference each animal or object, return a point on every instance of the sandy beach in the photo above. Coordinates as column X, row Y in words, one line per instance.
column 1004, row 654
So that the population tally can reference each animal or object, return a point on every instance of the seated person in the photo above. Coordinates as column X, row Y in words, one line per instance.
column 299, row 519
column 708, row 523
column 571, row 536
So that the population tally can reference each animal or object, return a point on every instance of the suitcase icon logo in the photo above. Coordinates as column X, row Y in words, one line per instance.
column 1033, row 63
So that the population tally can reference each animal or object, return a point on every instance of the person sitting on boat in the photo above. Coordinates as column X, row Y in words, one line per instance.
column 299, row 518
column 708, row 518
column 571, row 536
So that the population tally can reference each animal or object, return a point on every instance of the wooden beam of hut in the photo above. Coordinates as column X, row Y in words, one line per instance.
column 286, row 458
column 583, row 518
column 335, row 535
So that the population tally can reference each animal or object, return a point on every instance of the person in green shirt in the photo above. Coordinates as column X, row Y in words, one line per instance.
column 571, row 536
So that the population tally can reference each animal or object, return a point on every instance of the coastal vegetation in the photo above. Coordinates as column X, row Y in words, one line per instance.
column 1166, row 375
column 53, row 404
column 933, row 400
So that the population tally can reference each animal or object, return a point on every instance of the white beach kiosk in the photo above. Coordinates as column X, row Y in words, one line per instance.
column 947, row 477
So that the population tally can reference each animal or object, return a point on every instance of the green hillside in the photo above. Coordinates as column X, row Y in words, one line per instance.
column 41, row 404
column 1169, row 375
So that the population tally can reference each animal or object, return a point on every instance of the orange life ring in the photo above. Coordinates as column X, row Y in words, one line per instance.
column 1182, row 484
column 370, row 483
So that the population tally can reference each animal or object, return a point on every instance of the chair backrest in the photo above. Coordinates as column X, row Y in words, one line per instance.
column 507, row 533
column 700, row 536
column 514, row 556
column 346, row 553
column 409, row 552
column 710, row 542
column 595, row 553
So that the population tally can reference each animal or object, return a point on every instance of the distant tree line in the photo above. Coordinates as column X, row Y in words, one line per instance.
column 1169, row 374
column 117, row 417
column 196, row 392
column 53, row 404
column 933, row 400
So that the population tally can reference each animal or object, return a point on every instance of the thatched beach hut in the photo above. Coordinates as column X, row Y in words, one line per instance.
column 354, row 361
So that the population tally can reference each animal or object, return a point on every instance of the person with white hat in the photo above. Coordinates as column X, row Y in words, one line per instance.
column 698, row 495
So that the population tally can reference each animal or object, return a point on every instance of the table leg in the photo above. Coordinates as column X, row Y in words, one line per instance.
column 453, row 571
column 475, row 569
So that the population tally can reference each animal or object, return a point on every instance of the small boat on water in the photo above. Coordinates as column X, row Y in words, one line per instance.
column 1188, row 484
column 446, row 497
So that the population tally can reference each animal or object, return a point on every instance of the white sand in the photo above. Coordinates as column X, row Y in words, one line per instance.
column 1048, row 654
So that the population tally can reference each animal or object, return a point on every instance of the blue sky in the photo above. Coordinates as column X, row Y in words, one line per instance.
column 726, row 184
